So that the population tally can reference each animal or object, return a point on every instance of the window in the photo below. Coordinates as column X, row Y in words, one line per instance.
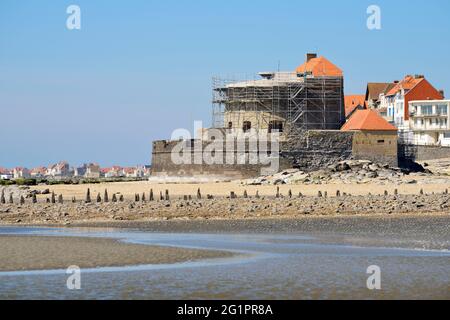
column 247, row 126
column 427, row 110
column 446, row 135
column 441, row 109
column 276, row 126
column 230, row 125
column 380, row 141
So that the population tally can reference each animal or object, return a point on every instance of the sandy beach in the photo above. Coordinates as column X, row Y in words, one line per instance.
column 223, row 189
column 41, row 253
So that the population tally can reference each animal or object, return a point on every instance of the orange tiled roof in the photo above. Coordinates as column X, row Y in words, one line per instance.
column 41, row 170
column 320, row 67
column 353, row 101
column 367, row 120
column 407, row 83
column 4, row 171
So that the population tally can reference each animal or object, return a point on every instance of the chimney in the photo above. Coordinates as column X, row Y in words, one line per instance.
column 419, row 76
column 442, row 93
column 310, row 56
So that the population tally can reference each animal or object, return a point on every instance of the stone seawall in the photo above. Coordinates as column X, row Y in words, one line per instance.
column 317, row 149
column 423, row 153
column 164, row 166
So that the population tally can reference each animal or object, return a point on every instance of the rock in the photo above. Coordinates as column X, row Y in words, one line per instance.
column 342, row 167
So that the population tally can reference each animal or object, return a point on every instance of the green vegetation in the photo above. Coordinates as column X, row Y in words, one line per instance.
column 68, row 181
column 26, row 182
column 6, row 182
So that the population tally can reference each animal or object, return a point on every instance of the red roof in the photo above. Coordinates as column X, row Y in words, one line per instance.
column 367, row 120
column 353, row 101
column 407, row 83
column 4, row 171
column 41, row 170
column 320, row 67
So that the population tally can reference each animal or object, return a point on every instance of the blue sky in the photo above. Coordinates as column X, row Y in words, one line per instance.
column 137, row 70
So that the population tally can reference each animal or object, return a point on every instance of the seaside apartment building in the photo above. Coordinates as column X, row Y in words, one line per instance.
column 430, row 122
column 58, row 170
column 396, row 100
column 92, row 171
column 374, row 91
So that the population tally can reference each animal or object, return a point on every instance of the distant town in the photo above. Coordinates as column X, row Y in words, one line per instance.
column 62, row 170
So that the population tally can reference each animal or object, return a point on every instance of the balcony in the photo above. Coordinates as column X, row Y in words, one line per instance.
column 428, row 127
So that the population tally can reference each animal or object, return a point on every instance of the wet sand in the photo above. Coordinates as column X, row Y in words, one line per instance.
column 42, row 253
column 410, row 231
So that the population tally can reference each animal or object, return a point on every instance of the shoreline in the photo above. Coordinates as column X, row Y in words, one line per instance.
column 243, row 208
column 403, row 231
column 32, row 253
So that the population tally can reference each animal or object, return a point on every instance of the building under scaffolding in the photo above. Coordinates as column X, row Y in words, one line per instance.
column 310, row 98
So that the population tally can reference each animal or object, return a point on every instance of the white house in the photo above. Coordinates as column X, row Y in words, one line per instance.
column 92, row 171
column 20, row 172
column 396, row 100
column 114, row 172
column 6, row 174
column 60, row 169
column 430, row 122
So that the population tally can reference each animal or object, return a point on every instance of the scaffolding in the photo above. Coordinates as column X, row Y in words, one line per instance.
column 299, row 102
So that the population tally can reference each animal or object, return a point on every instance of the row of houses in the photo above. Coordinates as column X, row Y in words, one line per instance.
column 63, row 170
column 413, row 105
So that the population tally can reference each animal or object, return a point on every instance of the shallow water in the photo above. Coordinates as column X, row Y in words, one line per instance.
column 275, row 266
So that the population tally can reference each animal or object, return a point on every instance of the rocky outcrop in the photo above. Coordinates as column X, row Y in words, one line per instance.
column 343, row 172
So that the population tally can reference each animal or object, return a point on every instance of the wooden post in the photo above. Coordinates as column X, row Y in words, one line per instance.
column 88, row 196
column 151, row 198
